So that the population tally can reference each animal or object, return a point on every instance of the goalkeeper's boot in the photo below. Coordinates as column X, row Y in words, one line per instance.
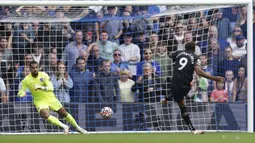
column 66, row 130
column 197, row 132
column 81, row 130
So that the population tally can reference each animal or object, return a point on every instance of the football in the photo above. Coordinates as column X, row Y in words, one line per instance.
column 106, row 112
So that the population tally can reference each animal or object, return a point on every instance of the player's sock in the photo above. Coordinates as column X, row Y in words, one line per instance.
column 55, row 121
column 69, row 118
column 186, row 118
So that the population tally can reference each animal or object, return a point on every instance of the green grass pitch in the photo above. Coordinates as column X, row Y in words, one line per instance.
column 133, row 138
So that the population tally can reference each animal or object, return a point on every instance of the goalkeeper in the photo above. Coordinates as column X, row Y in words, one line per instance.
column 41, row 89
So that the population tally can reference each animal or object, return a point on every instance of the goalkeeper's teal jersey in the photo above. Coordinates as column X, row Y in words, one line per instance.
column 38, row 95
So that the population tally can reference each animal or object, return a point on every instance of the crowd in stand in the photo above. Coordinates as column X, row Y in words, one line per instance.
column 120, row 54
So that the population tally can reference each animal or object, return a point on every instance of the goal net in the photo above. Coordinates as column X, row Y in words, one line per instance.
column 75, row 44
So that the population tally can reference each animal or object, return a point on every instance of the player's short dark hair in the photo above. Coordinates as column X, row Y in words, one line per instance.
column 32, row 63
column 190, row 46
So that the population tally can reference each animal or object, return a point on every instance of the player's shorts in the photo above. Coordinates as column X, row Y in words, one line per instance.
column 52, row 104
column 178, row 92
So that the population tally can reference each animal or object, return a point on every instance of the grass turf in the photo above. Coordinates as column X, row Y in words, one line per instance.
column 133, row 138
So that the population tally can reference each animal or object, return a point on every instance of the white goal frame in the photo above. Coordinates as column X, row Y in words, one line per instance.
column 168, row 2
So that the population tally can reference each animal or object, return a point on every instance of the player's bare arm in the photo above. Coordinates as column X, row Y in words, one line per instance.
column 200, row 72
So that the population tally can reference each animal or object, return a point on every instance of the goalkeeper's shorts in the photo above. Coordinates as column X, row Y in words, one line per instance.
column 52, row 104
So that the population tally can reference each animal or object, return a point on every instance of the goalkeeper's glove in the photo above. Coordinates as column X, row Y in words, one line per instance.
column 38, row 86
column 22, row 94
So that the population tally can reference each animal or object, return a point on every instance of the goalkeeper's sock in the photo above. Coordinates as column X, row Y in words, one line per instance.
column 55, row 121
column 69, row 118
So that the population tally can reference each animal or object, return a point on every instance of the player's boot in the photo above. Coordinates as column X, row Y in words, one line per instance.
column 197, row 132
column 66, row 130
column 81, row 130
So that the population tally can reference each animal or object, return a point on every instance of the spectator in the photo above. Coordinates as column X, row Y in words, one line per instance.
column 113, row 25
column 129, row 9
column 62, row 83
column 220, row 94
column 207, row 68
column 22, row 38
column 142, row 42
column 28, row 58
column 125, row 84
column 127, row 22
column 241, row 48
column 94, row 60
column 153, row 9
column 199, row 88
column 35, row 27
column 90, row 25
column 166, row 64
column 215, row 54
column 232, row 40
column 106, row 84
column 154, row 39
column 4, row 97
column 98, row 24
column 6, row 50
column 3, row 69
column 8, row 33
column 7, row 110
column 73, row 50
column 48, row 35
column 51, row 10
column 229, row 84
column 106, row 47
column 130, row 53
column 142, row 23
column 242, row 21
column 148, row 58
column 228, row 63
column 213, row 32
column 179, row 34
column 240, row 87
column 192, row 24
column 149, row 85
column 88, row 39
column 167, row 28
column 84, row 55
column 38, row 55
column 83, row 81
column 193, row 92
column 117, row 65
column 189, row 38
column 67, row 31
column 51, row 67
column 232, row 14
column 223, row 26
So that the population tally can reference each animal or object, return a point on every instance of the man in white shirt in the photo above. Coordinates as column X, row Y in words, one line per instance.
column 239, row 50
column 130, row 53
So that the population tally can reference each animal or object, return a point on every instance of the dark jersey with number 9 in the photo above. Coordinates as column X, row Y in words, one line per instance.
column 184, row 62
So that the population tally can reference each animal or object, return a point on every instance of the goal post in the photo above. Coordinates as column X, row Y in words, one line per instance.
column 146, row 114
